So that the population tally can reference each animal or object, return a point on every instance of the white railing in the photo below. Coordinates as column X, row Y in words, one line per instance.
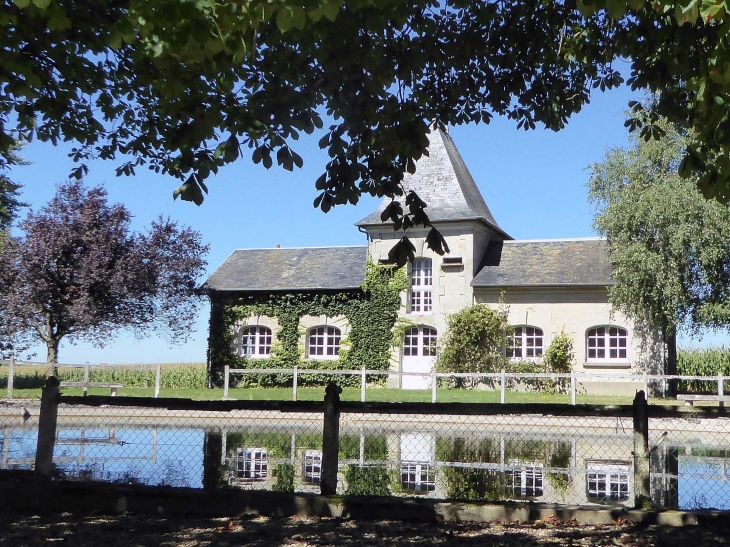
column 12, row 364
column 574, row 378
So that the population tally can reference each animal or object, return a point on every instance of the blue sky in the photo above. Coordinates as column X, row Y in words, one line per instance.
column 533, row 181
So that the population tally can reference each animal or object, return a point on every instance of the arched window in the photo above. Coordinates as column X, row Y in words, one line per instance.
column 421, row 286
column 256, row 341
column 323, row 343
column 524, row 342
column 607, row 344
column 420, row 342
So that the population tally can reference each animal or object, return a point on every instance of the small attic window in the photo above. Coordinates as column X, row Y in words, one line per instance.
column 452, row 261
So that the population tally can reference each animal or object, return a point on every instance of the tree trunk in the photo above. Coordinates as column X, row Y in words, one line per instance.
column 52, row 354
column 671, row 367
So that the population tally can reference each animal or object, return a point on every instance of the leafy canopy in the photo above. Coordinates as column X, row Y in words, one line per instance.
column 670, row 247
column 79, row 272
column 185, row 86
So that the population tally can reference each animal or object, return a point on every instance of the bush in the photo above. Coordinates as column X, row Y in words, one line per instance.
column 284, row 474
column 372, row 480
column 473, row 342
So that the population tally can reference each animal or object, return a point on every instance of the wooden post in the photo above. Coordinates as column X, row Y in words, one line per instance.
column 572, row 387
column 641, row 451
column 86, row 378
column 47, row 428
column 226, row 370
column 158, row 379
column 362, row 385
column 720, row 389
column 11, row 375
column 295, row 381
column 502, row 383
column 434, row 384
column 330, row 440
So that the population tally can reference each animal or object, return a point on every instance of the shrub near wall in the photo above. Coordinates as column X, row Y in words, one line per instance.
column 371, row 313
column 702, row 362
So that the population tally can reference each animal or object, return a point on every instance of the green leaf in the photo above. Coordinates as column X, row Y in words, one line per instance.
column 189, row 191
column 299, row 17
column 22, row 3
column 115, row 40
column 616, row 8
column 42, row 4
column 285, row 19
column 331, row 9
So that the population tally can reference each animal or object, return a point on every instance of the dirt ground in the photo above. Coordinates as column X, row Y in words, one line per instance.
column 129, row 530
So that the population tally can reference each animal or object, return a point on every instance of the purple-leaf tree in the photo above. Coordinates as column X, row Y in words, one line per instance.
column 79, row 272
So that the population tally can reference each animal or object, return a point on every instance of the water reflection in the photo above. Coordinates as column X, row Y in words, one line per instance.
column 571, row 468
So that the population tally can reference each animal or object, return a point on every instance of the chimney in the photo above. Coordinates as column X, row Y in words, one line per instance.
column 278, row 246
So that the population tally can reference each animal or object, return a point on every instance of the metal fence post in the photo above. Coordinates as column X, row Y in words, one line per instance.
column 641, row 451
column 362, row 385
column 502, row 383
column 434, row 384
column 294, row 382
column 158, row 379
column 330, row 440
column 646, row 386
column 720, row 389
column 86, row 378
column 47, row 427
column 572, row 387
column 11, row 374
column 226, row 370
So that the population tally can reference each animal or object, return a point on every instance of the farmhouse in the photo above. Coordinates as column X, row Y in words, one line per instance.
column 315, row 305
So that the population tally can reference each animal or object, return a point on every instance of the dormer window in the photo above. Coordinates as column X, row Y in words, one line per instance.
column 421, row 286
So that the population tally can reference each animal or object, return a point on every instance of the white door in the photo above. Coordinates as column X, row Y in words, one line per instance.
column 419, row 355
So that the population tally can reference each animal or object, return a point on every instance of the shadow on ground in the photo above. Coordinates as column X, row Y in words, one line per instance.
column 128, row 530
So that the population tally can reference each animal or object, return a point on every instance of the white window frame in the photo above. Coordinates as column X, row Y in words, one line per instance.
column 608, row 482
column 252, row 464
column 525, row 480
column 330, row 338
column 527, row 341
column 312, row 466
column 612, row 334
column 261, row 337
column 421, row 295
column 417, row 477
column 420, row 341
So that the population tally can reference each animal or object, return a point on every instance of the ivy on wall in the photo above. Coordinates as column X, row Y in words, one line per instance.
column 370, row 311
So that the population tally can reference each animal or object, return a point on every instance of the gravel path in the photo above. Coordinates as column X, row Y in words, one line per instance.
column 128, row 530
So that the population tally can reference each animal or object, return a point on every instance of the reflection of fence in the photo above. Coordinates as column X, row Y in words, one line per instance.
column 583, row 454
column 656, row 383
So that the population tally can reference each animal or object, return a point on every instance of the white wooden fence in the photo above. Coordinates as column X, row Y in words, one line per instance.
column 502, row 376
column 13, row 364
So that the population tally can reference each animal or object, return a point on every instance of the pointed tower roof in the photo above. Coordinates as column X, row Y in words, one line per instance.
column 443, row 181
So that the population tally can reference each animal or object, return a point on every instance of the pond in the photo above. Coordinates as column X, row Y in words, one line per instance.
column 475, row 462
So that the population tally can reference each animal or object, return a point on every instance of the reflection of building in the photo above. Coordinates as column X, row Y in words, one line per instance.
column 549, row 285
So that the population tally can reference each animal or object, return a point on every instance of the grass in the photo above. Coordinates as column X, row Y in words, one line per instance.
column 353, row 394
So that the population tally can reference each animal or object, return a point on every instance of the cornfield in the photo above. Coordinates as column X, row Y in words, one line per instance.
column 702, row 362
column 173, row 376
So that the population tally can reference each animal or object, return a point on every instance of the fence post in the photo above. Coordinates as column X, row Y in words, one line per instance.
column 330, row 439
column 646, row 386
column 158, row 379
column 294, row 383
column 720, row 388
column 47, row 428
column 501, row 387
column 362, row 385
column 86, row 378
column 226, row 370
column 641, row 451
column 434, row 384
column 11, row 375
column 572, row 387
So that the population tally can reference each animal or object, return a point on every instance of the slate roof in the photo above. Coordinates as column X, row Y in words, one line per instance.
column 545, row 263
column 291, row 269
column 443, row 181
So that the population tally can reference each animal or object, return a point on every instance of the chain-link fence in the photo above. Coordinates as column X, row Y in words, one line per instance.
column 561, row 454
